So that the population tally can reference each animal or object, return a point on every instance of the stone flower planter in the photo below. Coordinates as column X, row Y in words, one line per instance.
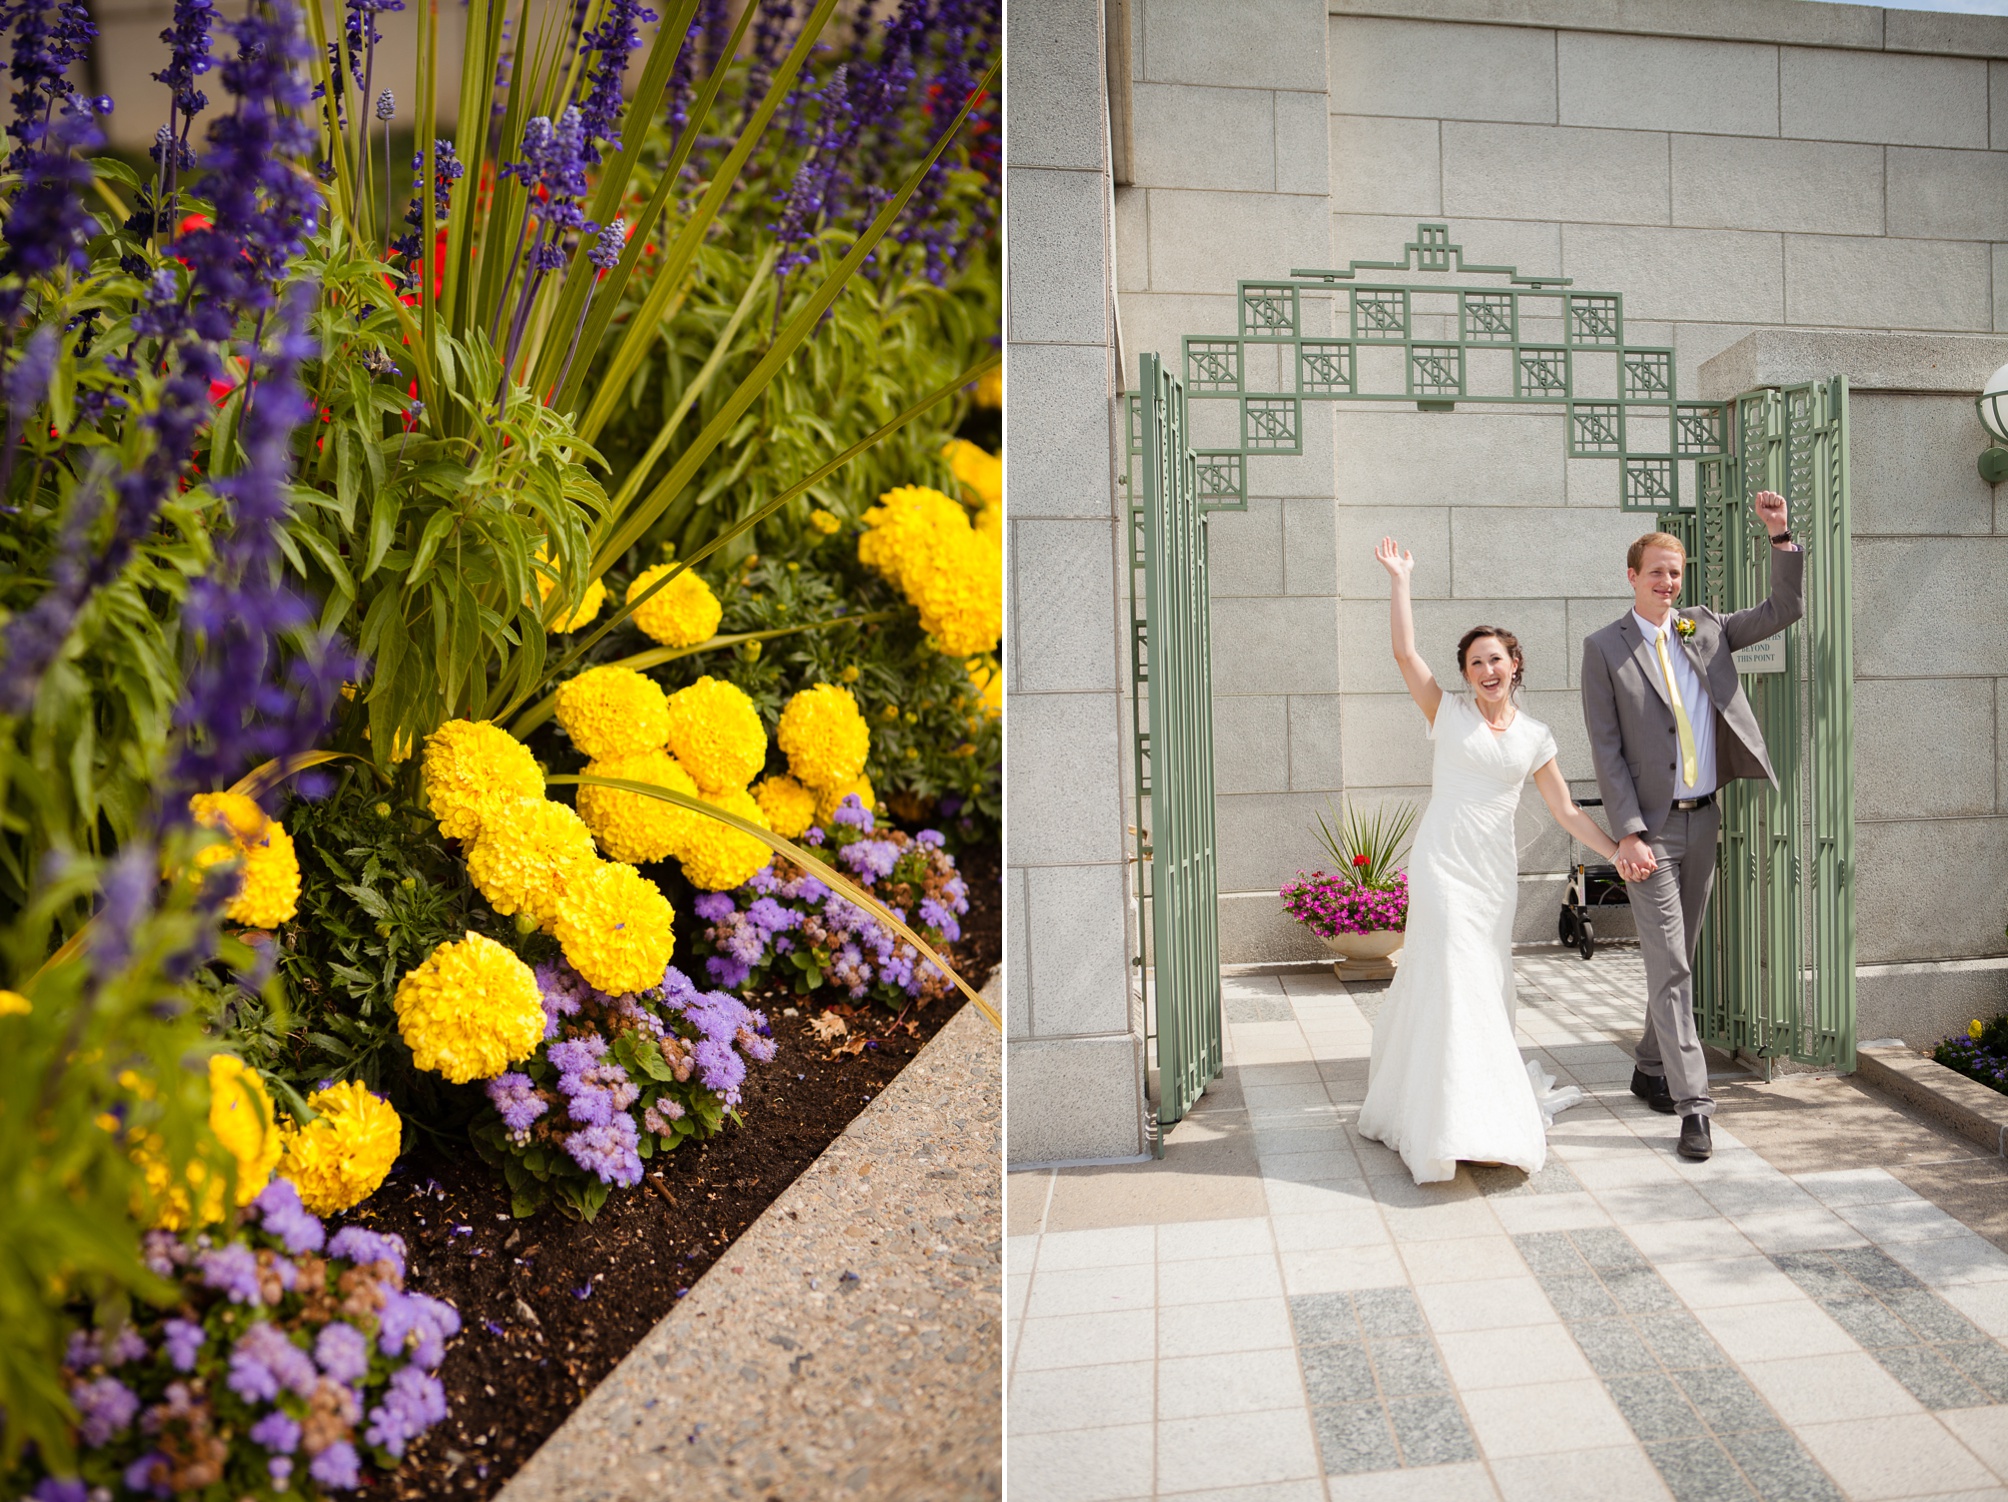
column 1384, row 945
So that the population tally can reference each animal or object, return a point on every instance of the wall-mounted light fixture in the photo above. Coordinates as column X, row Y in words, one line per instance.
column 1992, row 404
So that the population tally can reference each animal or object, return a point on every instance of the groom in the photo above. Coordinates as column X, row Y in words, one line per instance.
column 1668, row 727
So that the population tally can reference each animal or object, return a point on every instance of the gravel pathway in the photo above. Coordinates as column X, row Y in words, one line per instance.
column 849, row 1343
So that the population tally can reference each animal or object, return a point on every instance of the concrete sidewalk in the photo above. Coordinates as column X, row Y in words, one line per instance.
column 1277, row 1313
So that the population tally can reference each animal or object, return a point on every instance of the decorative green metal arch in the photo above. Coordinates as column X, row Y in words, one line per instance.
column 1776, row 975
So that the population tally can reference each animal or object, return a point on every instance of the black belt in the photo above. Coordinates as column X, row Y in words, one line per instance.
column 1689, row 805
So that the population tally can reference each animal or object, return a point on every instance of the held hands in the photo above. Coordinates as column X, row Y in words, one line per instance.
column 1770, row 508
column 1398, row 562
column 1634, row 859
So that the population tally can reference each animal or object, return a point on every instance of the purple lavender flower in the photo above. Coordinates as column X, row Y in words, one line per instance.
column 610, row 1150
column 264, row 1363
column 342, row 1351
column 278, row 1432
column 419, row 1321
column 337, row 1467
column 413, row 1403
column 516, row 1100
column 182, row 1341
column 104, row 1408
column 612, row 41
column 232, row 1270
column 282, row 1215
column 362, row 1246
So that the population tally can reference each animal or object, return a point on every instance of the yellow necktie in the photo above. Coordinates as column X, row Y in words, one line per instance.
column 1688, row 769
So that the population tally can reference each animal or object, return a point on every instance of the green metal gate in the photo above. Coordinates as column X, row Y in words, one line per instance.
column 1172, row 673
column 1777, row 974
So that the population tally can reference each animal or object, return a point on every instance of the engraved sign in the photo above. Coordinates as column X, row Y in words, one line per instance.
column 1766, row 656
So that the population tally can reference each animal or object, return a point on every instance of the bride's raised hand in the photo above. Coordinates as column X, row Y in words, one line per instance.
column 1397, row 561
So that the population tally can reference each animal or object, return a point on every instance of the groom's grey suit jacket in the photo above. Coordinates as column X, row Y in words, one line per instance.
column 1633, row 740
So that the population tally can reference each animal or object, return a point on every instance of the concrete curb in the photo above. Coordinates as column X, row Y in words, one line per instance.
column 849, row 1343
column 1952, row 1100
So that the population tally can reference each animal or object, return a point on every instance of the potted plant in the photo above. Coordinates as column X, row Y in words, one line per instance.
column 1360, row 909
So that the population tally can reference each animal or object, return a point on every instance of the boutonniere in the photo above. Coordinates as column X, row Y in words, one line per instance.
column 1684, row 626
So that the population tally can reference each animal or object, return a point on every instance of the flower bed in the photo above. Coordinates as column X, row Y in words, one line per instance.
column 1981, row 1053
column 370, row 723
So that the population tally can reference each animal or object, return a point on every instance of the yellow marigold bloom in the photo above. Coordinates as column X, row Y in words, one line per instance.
column 240, row 1118
column 980, row 470
column 961, row 597
column 787, row 806
column 719, row 857
column 830, row 799
column 634, row 827
column 906, row 529
column 613, row 711
column 589, row 604
column 824, row 736
column 528, row 849
column 990, row 523
column 268, row 892
column 618, row 930
column 341, row 1157
column 1974, row 1029
column 682, row 613
column 824, row 522
column 14, row 1004
column 470, row 1010
column 715, row 731
column 472, row 766
column 990, row 389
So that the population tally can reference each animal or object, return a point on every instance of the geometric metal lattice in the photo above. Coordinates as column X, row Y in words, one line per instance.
column 1534, row 341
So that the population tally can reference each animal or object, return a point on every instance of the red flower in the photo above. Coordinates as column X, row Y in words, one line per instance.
column 1359, row 860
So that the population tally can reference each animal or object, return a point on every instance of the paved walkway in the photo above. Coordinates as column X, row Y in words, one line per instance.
column 1276, row 1313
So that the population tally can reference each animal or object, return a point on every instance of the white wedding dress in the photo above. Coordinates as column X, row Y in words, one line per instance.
column 1447, row 1080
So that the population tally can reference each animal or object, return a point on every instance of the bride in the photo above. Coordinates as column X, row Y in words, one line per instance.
column 1446, row 1080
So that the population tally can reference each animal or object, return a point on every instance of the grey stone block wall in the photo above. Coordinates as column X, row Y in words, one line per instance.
column 1729, row 168
column 1075, row 1076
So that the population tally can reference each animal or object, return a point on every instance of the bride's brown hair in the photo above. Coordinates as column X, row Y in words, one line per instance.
column 1505, row 639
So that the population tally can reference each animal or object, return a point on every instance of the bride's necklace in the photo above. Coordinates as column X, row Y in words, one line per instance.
column 1501, row 729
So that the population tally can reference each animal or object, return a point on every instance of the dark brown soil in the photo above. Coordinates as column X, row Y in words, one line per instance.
column 549, row 1305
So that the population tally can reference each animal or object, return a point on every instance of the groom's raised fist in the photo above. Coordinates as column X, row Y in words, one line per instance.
column 1770, row 510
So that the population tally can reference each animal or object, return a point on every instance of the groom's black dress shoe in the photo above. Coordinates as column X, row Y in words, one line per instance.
column 1652, row 1090
column 1694, row 1143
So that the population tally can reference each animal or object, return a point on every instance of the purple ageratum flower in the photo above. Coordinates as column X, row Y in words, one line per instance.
column 720, row 1067
column 853, row 813
column 595, row 1091
column 416, row 1320
column 930, row 839
column 337, row 1467
column 870, row 858
column 712, row 906
column 342, row 1351
column 768, row 914
column 282, row 1215
column 277, row 1431
column 940, row 919
column 231, row 1270
column 105, row 1407
column 563, row 991
column 64, row 1489
column 147, row 1475
column 182, row 1340
column 122, row 1346
column 413, row 1403
column 727, row 972
column 362, row 1246
column 517, row 1102
column 610, row 1151
column 264, row 1363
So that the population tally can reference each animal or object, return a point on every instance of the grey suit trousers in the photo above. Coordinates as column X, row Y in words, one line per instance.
column 1670, row 905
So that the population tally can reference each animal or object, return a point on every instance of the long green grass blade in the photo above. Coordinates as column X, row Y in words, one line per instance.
column 655, row 657
column 934, row 398
column 785, row 344
column 683, row 250
column 840, row 884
